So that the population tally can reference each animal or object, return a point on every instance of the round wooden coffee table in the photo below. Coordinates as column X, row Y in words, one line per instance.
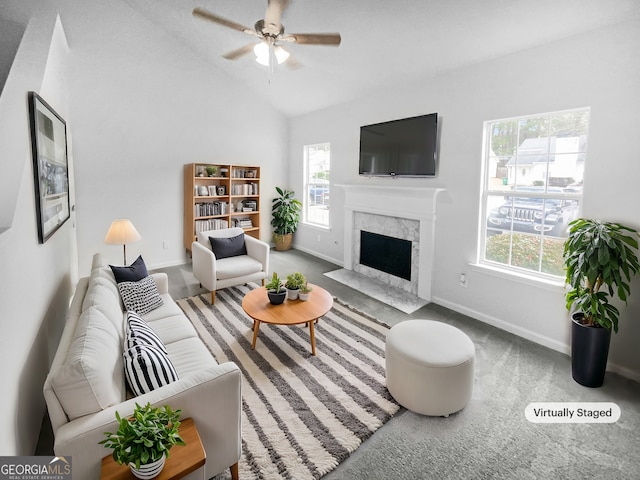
column 292, row 312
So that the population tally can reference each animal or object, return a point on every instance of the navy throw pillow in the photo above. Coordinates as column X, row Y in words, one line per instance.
column 228, row 247
column 133, row 273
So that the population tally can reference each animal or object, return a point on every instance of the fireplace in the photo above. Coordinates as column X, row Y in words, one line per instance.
column 387, row 254
column 407, row 214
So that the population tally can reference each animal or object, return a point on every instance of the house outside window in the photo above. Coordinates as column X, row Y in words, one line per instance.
column 317, row 169
column 532, row 189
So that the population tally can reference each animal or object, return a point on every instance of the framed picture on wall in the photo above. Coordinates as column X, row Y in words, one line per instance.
column 50, row 166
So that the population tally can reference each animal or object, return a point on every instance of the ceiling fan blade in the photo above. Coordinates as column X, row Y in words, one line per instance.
column 273, row 15
column 239, row 52
column 332, row 39
column 206, row 15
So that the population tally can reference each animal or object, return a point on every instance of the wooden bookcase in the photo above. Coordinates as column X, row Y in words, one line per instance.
column 230, row 197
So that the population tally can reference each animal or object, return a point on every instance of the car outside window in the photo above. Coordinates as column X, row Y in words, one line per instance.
column 532, row 189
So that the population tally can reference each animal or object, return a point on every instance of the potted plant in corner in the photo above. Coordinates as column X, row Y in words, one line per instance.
column 143, row 441
column 285, row 211
column 275, row 291
column 293, row 284
column 600, row 258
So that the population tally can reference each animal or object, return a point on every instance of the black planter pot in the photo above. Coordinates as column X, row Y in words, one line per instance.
column 589, row 352
column 276, row 298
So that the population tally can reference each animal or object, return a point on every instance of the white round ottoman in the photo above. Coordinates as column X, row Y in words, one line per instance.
column 429, row 366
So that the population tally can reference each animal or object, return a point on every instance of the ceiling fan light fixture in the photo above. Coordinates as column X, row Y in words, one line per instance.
column 262, row 53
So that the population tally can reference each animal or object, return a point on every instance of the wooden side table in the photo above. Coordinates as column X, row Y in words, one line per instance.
column 182, row 460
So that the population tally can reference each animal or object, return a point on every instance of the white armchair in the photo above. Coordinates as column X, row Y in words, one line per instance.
column 215, row 274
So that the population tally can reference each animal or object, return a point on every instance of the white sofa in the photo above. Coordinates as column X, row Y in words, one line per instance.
column 215, row 274
column 86, row 383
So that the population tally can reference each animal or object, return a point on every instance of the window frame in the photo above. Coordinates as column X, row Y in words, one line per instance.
column 486, row 192
column 306, row 200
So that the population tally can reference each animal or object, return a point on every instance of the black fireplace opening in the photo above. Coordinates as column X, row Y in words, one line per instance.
column 387, row 254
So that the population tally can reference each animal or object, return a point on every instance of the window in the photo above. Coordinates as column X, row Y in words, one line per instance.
column 532, row 189
column 317, row 166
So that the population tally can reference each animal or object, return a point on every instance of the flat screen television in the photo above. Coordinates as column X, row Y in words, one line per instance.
column 400, row 148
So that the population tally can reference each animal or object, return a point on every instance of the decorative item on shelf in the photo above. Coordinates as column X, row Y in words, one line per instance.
column 275, row 291
column 144, row 440
column 293, row 284
column 285, row 211
column 203, row 191
column 122, row 232
column 221, row 190
column 305, row 291
column 224, row 172
column 250, row 174
column 211, row 170
column 600, row 258
column 199, row 171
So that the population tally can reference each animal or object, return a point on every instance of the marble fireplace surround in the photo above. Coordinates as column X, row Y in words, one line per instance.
column 402, row 212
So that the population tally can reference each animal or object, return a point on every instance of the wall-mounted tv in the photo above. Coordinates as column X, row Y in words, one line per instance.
column 400, row 148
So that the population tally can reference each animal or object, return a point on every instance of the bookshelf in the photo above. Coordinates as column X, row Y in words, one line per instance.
column 218, row 195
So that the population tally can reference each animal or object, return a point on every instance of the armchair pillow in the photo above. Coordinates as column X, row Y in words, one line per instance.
column 228, row 247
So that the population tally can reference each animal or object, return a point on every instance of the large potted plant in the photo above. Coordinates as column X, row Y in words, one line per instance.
column 285, row 211
column 143, row 441
column 600, row 259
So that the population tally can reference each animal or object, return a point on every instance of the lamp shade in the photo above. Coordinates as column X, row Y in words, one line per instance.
column 122, row 232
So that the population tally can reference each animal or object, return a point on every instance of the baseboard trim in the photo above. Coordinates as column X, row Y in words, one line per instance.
column 529, row 335
column 339, row 263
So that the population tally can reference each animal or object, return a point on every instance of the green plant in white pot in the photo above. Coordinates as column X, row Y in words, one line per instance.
column 293, row 284
column 285, row 212
column 600, row 259
column 143, row 441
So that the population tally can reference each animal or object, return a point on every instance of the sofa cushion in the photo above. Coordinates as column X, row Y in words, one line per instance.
column 91, row 377
column 168, row 309
column 148, row 368
column 140, row 333
column 228, row 247
column 190, row 356
column 142, row 296
column 237, row 267
column 133, row 273
column 173, row 328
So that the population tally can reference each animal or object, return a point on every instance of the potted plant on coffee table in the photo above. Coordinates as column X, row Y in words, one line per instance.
column 143, row 441
column 305, row 291
column 275, row 290
column 285, row 211
column 600, row 259
column 293, row 284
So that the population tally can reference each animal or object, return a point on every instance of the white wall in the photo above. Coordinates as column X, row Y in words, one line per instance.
column 138, row 107
column 600, row 69
column 36, row 280
column 144, row 106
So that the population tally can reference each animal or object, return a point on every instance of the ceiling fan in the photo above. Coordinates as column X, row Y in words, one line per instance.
column 270, row 31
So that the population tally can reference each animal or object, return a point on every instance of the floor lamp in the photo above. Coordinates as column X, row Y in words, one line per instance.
column 122, row 232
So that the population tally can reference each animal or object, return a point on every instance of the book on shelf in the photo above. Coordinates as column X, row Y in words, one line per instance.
column 210, row 224
column 210, row 209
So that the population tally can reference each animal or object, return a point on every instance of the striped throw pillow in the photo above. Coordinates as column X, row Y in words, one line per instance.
column 147, row 368
column 140, row 333
column 141, row 296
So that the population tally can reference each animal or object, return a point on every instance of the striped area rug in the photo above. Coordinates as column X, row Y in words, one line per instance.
column 302, row 415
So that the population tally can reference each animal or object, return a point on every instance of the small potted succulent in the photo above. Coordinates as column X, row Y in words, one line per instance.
column 305, row 291
column 275, row 290
column 293, row 284
column 143, row 441
column 211, row 170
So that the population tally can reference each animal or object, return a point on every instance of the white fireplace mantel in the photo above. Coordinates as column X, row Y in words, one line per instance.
column 402, row 202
